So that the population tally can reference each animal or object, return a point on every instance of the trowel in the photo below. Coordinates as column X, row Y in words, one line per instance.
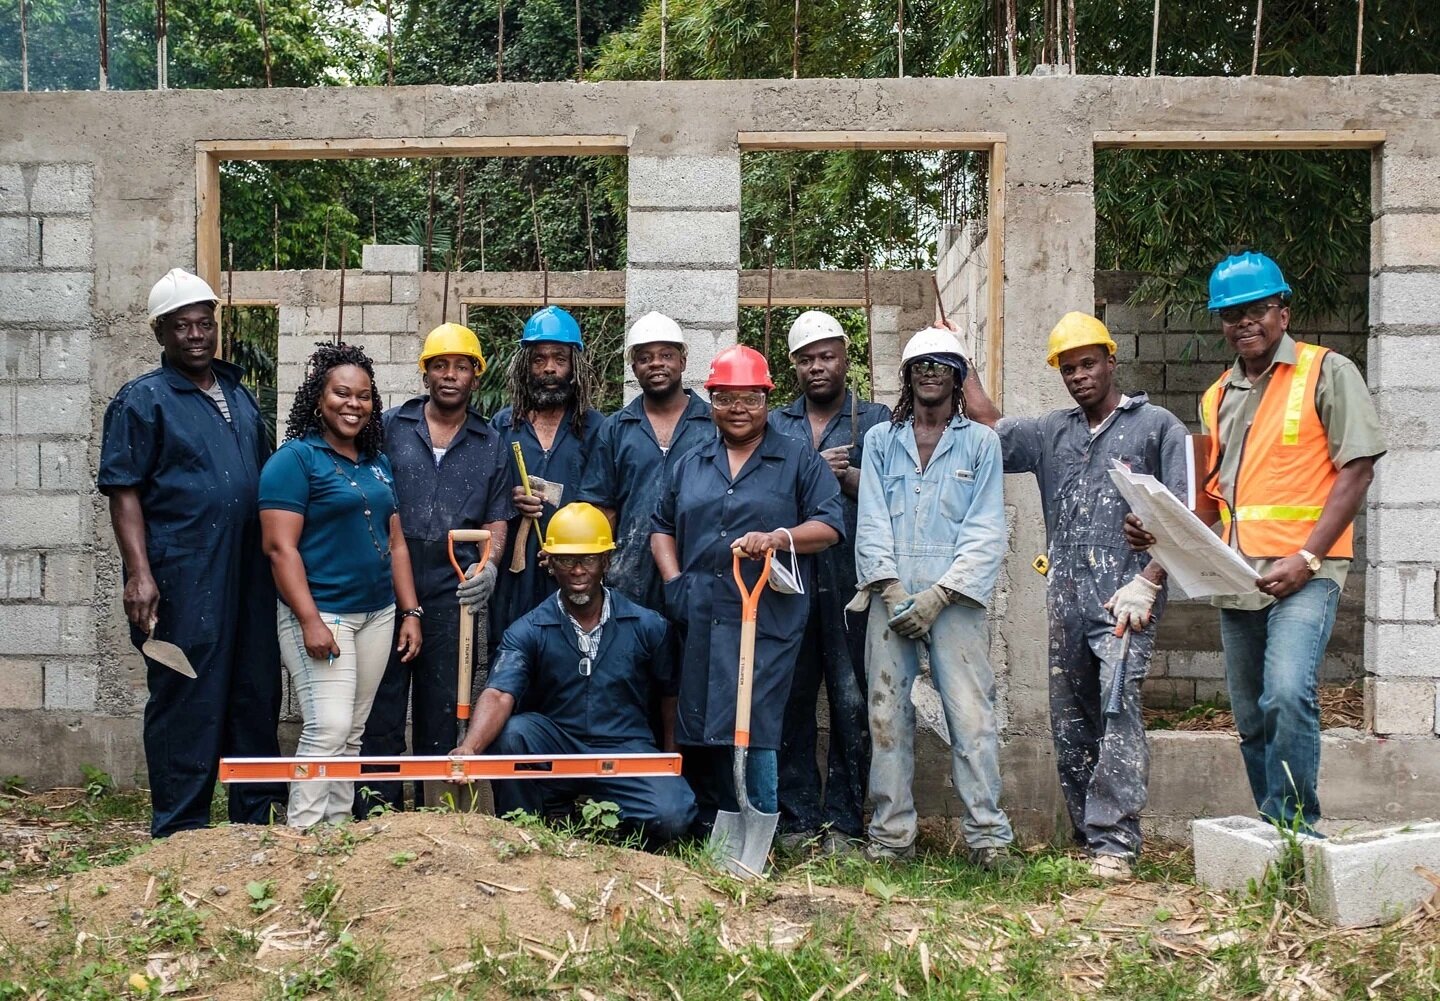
column 166, row 653
column 929, row 710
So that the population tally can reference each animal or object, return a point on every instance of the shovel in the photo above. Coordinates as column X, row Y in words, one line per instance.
column 166, row 653
column 743, row 838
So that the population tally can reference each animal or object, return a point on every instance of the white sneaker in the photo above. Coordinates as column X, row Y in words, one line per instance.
column 1109, row 867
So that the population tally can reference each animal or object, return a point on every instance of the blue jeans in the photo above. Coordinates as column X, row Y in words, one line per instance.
column 1272, row 663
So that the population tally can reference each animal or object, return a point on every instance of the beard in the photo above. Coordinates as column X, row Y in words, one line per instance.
column 579, row 600
column 548, row 394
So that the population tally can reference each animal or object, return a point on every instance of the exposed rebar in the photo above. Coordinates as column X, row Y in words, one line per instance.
column 1259, row 20
column 1154, row 37
column 1359, row 35
column 500, row 46
column 104, row 45
column 265, row 41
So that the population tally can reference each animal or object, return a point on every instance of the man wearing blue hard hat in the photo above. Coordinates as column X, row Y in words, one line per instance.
column 1293, row 441
column 550, row 416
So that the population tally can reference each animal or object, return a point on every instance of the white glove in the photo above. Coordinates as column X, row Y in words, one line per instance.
column 1131, row 604
column 474, row 592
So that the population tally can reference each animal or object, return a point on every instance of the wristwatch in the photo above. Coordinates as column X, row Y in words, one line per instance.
column 1311, row 560
column 418, row 612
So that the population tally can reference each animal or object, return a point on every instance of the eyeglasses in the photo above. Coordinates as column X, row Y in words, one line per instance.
column 930, row 367
column 745, row 401
column 589, row 561
column 1249, row 311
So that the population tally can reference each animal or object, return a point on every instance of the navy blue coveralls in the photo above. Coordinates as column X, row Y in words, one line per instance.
column 564, row 463
column 468, row 487
column 833, row 651
column 558, row 710
column 784, row 483
column 626, row 472
column 198, row 479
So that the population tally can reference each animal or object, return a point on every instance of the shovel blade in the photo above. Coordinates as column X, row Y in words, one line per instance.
column 168, row 654
column 743, row 840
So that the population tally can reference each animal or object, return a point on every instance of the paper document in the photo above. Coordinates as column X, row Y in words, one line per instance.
column 1199, row 563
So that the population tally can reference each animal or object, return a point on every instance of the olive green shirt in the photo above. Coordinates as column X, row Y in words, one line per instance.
column 1352, row 429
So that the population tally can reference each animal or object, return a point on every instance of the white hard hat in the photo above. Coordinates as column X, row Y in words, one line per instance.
column 931, row 341
column 653, row 328
column 813, row 325
column 178, row 288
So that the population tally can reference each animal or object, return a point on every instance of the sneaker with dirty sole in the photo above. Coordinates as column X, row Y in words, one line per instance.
column 991, row 859
column 797, row 842
column 874, row 851
column 837, row 845
column 1109, row 867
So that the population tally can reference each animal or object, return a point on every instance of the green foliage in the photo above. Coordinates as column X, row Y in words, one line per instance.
column 97, row 781
column 261, row 894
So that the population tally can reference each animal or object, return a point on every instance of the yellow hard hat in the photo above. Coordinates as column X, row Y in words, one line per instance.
column 577, row 529
column 1077, row 330
column 452, row 339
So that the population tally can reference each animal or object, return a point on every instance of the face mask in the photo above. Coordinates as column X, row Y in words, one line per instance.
column 783, row 579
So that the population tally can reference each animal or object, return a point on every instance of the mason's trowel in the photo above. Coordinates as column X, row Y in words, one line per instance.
column 929, row 710
column 166, row 653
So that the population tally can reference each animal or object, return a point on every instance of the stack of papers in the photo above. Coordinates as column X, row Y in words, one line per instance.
column 1199, row 563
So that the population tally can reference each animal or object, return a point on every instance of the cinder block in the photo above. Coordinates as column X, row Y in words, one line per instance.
column 1407, row 476
column 19, row 354
column 685, row 181
column 321, row 322
column 397, row 382
column 1397, row 535
column 391, row 257
column 43, row 519
column 65, row 355
column 1410, row 418
column 1368, row 879
column 65, row 465
column 1404, row 593
column 42, row 298
column 70, row 685
column 686, row 296
column 19, row 242
column 1406, row 181
column 366, row 288
column 62, row 188
column 1404, row 297
column 1397, row 360
column 1405, row 650
column 47, row 629
column 22, row 684
column 388, row 319
column 1167, row 693
column 1399, row 707
column 290, row 320
column 700, row 238
column 19, row 465
column 12, row 188
column 69, row 243
column 47, row 408
column 69, row 578
column 1195, row 663
column 404, row 289
column 1232, row 851
column 21, row 576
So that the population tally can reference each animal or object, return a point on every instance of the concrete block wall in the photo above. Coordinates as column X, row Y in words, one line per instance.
column 1403, row 609
column 47, row 498
column 962, row 273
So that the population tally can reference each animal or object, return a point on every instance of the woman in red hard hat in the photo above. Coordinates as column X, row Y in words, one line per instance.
column 750, row 489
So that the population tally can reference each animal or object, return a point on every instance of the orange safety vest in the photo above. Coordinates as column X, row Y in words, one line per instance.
column 1285, row 471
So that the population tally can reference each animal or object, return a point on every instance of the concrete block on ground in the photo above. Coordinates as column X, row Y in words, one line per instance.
column 21, row 576
column 19, row 242
column 22, row 684
column 1368, row 879
column 69, row 243
column 44, row 298
column 1404, row 706
column 685, row 181
column 1232, row 851
column 685, row 296
column 1404, row 593
column 388, row 319
column 696, row 238
column 391, row 257
column 71, row 685
column 62, row 188
column 1404, row 297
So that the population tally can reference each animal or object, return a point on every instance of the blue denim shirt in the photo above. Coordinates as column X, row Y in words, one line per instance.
column 943, row 524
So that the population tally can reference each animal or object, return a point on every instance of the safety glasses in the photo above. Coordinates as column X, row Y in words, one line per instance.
column 589, row 561
column 931, row 367
column 1249, row 311
column 741, row 401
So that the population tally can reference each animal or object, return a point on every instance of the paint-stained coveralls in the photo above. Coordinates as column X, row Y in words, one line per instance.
column 466, row 486
column 833, row 652
column 563, row 463
column 943, row 523
column 198, row 478
column 784, row 483
column 625, row 473
column 1103, row 764
column 568, row 702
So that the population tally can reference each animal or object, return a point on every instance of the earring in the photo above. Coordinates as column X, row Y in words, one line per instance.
column 317, row 412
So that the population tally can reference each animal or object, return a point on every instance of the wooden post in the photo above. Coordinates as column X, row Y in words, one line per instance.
column 1154, row 37
column 1259, row 20
column 389, row 47
column 265, row 41
column 162, row 50
column 104, row 45
column 1359, row 35
column 579, row 48
column 500, row 46
column 664, row 19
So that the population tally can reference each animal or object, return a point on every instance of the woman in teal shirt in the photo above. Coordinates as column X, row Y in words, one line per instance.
column 331, row 531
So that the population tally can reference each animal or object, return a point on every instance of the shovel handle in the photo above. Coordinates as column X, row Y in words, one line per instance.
column 463, row 674
column 467, row 535
column 750, row 610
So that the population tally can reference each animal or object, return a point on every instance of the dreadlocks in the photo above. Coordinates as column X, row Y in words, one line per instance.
column 582, row 381
column 905, row 409
column 305, row 411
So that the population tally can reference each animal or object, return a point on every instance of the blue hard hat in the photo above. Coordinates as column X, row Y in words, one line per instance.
column 1243, row 278
column 552, row 324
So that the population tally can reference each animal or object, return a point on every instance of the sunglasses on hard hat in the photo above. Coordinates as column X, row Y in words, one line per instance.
column 1249, row 311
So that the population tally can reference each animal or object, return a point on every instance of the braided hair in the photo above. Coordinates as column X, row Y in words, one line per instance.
column 582, row 381
column 905, row 409
column 305, row 411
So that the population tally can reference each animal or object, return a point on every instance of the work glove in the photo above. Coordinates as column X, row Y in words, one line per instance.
column 893, row 594
column 479, row 583
column 1131, row 604
column 914, row 616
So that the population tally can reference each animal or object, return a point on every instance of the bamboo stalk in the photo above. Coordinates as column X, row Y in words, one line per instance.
column 275, row 233
column 104, row 45
column 1359, row 35
column 1154, row 37
column 500, row 46
column 1071, row 4
column 579, row 48
column 664, row 22
column 1259, row 20
column 389, row 47
column 265, row 40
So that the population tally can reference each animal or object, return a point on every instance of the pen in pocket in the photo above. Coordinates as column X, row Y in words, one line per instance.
column 335, row 633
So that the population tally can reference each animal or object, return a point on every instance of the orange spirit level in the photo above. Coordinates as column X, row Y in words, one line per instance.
column 425, row 769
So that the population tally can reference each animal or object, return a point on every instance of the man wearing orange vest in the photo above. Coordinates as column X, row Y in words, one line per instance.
column 1293, row 441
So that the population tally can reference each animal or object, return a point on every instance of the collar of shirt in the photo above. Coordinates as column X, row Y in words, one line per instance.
column 317, row 440
column 589, row 642
column 634, row 411
column 1285, row 354
column 413, row 411
column 224, row 372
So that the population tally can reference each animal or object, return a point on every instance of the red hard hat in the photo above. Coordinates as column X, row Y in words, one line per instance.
column 739, row 366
